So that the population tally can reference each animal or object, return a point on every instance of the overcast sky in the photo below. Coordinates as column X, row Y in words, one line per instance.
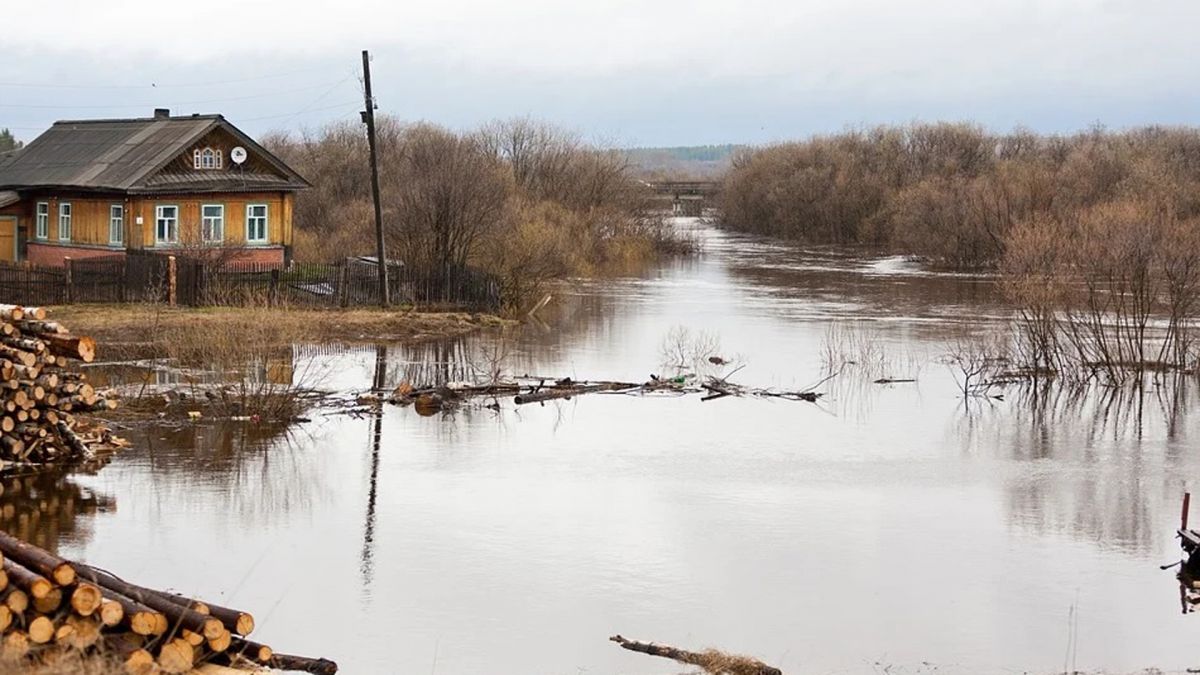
column 630, row 72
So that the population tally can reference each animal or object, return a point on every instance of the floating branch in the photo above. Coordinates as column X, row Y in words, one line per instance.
column 526, row 390
column 711, row 660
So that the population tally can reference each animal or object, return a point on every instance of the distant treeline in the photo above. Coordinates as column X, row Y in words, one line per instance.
column 683, row 162
column 955, row 194
column 690, row 153
column 526, row 201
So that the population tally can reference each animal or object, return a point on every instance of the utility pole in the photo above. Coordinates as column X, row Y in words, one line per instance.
column 368, row 116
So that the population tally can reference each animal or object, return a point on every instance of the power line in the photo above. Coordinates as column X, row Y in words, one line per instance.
column 40, row 85
column 22, row 106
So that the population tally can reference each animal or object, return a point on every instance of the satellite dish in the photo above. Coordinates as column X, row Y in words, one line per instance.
column 238, row 155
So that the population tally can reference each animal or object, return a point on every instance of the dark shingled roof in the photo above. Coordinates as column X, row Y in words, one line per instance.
column 123, row 155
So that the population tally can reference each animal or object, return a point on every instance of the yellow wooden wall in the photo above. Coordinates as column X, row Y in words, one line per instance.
column 279, row 214
column 90, row 218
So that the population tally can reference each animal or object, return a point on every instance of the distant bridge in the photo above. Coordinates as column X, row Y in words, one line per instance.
column 688, row 197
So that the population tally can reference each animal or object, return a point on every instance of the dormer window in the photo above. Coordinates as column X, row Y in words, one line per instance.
column 206, row 158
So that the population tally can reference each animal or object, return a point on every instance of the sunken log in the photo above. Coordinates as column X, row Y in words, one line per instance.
column 712, row 661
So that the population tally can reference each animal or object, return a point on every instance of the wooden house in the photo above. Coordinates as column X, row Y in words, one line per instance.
column 182, row 184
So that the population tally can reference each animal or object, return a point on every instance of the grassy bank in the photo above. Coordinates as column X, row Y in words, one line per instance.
column 156, row 330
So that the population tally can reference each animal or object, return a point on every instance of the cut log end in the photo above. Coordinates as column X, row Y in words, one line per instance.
column 213, row 629
column 245, row 624
column 144, row 623
column 139, row 662
column 64, row 574
column 176, row 656
column 111, row 613
column 41, row 630
column 86, row 599
column 221, row 642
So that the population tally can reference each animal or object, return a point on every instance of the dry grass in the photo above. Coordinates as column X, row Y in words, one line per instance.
column 69, row 663
column 718, row 662
column 153, row 330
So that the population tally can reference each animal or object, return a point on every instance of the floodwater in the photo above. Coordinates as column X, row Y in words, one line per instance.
column 887, row 527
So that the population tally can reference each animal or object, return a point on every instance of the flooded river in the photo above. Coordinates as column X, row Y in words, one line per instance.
column 885, row 527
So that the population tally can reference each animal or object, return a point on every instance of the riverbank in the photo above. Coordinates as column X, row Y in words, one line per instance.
column 152, row 330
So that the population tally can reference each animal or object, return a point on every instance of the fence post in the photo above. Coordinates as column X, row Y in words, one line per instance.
column 70, row 280
column 273, row 296
column 343, row 285
column 171, row 288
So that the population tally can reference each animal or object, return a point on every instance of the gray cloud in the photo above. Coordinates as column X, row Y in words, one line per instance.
column 629, row 72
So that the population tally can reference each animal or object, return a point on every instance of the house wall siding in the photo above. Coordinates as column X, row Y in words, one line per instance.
column 90, row 224
column 279, row 213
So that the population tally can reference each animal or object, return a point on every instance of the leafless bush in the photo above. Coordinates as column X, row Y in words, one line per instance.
column 951, row 193
column 686, row 351
column 524, row 200
column 1112, row 290
column 975, row 359
column 244, row 366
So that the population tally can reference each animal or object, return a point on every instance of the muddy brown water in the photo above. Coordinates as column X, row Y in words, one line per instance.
column 888, row 527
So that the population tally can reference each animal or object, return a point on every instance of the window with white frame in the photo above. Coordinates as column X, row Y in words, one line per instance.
column 43, row 220
column 116, row 224
column 166, row 224
column 256, row 223
column 212, row 223
column 64, row 221
column 206, row 158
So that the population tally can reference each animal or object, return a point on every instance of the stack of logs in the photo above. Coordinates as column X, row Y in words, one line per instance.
column 51, row 607
column 40, row 392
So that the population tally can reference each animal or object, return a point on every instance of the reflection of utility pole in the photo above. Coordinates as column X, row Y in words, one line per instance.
column 368, row 549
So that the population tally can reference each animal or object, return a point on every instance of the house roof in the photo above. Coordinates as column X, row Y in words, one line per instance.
column 127, row 154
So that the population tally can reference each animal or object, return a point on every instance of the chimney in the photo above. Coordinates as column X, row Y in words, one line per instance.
column 162, row 113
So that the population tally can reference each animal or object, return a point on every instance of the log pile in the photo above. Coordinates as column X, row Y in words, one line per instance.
column 50, row 607
column 41, row 393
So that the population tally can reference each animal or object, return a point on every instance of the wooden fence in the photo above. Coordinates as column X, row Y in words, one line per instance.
column 141, row 276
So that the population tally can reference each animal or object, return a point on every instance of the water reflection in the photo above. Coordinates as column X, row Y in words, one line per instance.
column 259, row 469
column 967, row 529
column 51, row 509
column 1100, row 464
column 379, row 384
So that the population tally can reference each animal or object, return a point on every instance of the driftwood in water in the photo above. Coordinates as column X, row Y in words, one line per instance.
column 529, row 389
column 712, row 661
column 568, row 389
